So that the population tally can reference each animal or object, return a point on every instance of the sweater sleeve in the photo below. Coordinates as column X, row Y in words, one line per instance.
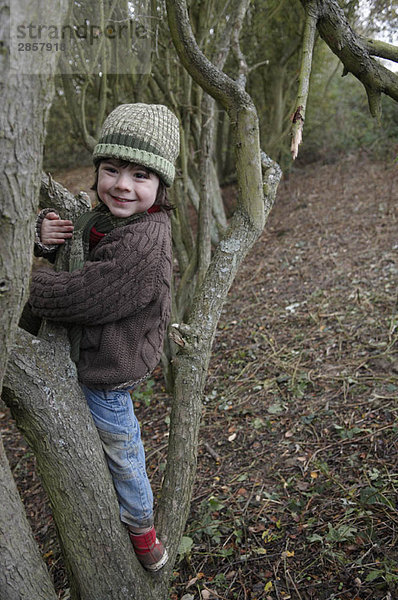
column 40, row 249
column 120, row 281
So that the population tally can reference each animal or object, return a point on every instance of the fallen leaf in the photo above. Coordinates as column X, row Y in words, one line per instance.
column 268, row 574
column 302, row 486
column 194, row 580
column 287, row 554
column 232, row 437
column 230, row 575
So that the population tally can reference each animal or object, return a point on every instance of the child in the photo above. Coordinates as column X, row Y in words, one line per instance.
column 115, row 299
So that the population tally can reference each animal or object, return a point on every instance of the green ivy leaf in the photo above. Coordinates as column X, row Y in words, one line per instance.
column 185, row 547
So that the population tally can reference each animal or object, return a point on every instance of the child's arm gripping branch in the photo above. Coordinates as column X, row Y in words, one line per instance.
column 123, row 279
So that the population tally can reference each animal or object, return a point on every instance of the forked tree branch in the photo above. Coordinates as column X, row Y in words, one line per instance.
column 194, row 338
column 209, row 77
column 354, row 53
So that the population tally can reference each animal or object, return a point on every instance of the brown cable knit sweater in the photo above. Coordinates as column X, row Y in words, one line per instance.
column 121, row 297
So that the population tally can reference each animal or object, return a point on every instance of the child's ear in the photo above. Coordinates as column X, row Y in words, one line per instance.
column 95, row 184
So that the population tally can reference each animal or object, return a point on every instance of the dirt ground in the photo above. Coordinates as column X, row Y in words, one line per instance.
column 296, row 492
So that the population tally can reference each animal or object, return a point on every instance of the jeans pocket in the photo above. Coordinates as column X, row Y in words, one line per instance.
column 112, row 411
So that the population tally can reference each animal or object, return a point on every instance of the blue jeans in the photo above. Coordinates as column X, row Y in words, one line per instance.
column 119, row 430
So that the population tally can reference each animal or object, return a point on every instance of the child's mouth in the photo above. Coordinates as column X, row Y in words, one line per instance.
column 122, row 199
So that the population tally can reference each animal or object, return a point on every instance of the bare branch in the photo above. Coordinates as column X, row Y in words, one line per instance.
column 212, row 80
column 298, row 117
column 54, row 195
column 203, row 243
column 195, row 338
column 243, row 68
column 381, row 49
column 354, row 53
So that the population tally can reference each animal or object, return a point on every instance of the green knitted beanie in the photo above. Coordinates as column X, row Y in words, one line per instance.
column 146, row 134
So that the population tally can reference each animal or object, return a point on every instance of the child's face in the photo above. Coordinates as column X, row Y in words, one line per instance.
column 126, row 190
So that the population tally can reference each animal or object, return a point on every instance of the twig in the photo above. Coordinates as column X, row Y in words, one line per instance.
column 157, row 450
column 212, row 452
column 294, row 584
column 251, row 496
column 213, row 593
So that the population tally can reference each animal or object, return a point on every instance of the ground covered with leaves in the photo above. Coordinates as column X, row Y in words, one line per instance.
column 296, row 493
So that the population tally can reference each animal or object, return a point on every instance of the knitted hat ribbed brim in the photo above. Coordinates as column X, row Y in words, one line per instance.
column 145, row 134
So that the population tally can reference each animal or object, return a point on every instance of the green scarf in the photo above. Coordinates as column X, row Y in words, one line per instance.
column 102, row 219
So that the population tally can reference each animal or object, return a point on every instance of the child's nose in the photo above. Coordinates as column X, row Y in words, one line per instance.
column 124, row 182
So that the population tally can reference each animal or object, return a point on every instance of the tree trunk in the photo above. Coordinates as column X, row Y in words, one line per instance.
column 23, row 574
column 50, row 410
column 26, row 100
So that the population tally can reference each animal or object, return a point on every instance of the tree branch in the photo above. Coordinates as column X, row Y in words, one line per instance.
column 212, row 80
column 354, row 53
column 230, row 38
column 203, row 242
column 54, row 195
column 194, row 339
column 381, row 49
column 45, row 402
column 243, row 69
column 298, row 116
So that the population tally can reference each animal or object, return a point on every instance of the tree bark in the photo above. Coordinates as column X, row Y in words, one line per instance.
column 25, row 101
column 23, row 574
column 50, row 410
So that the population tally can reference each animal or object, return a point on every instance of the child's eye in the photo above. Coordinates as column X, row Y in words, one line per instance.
column 110, row 169
column 141, row 175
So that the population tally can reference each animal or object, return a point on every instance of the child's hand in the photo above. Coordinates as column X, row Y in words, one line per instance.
column 55, row 230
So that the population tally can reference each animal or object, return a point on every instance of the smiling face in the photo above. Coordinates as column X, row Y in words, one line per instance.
column 126, row 190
